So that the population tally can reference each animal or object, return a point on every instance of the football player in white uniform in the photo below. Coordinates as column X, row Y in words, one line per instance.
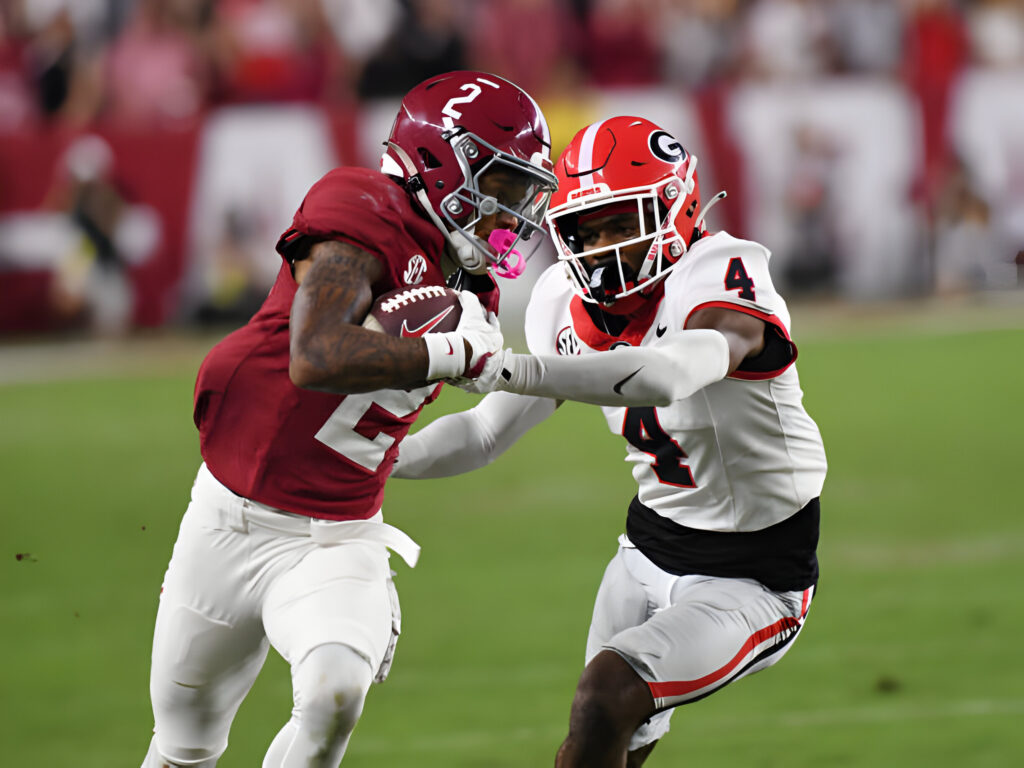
column 679, row 335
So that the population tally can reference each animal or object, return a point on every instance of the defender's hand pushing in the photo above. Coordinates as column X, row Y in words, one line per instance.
column 462, row 353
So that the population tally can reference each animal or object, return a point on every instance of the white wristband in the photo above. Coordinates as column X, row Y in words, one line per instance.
column 446, row 355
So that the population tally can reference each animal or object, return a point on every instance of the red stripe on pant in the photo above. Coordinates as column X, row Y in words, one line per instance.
column 683, row 687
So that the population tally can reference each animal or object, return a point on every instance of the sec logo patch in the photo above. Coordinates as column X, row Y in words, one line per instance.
column 415, row 269
column 566, row 342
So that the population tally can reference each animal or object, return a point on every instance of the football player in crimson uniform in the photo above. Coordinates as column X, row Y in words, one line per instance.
column 301, row 411
column 679, row 335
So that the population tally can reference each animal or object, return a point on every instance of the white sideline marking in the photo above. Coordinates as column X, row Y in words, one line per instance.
column 158, row 352
column 1008, row 546
column 147, row 354
column 841, row 716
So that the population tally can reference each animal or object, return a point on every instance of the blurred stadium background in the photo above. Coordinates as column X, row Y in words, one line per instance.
column 151, row 151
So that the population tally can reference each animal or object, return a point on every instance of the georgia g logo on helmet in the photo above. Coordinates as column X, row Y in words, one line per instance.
column 664, row 147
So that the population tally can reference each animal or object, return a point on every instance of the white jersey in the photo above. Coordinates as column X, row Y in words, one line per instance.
column 739, row 455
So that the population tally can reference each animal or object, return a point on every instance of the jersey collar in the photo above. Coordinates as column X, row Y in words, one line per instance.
column 633, row 334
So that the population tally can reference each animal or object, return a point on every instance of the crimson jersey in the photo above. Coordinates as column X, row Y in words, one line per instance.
column 315, row 453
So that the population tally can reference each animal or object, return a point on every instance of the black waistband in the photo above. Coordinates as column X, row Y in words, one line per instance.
column 782, row 557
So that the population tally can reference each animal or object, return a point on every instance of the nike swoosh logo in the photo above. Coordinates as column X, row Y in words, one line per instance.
column 661, row 331
column 617, row 389
column 427, row 326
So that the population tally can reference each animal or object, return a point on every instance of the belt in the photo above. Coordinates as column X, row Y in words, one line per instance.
column 395, row 539
column 241, row 511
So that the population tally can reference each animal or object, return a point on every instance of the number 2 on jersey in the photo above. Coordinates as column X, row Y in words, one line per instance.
column 641, row 428
column 348, row 432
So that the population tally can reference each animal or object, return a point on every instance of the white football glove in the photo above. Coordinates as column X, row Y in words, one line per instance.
column 494, row 375
column 447, row 351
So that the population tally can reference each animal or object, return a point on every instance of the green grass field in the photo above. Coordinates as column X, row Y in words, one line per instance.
column 910, row 657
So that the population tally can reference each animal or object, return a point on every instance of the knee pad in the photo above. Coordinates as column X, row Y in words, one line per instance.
column 183, row 758
column 331, row 683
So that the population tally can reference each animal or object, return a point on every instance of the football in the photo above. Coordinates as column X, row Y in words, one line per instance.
column 414, row 311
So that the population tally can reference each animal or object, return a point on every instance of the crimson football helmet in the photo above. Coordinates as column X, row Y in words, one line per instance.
column 627, row 164
column 452, row 131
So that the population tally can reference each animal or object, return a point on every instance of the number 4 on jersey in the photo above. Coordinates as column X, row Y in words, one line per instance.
column 737, row 279
column 641, row 428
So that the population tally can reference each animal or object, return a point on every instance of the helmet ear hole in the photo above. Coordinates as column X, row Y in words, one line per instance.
column 428, row 159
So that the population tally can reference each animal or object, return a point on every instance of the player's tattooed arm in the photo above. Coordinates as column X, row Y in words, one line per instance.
column 329, row 348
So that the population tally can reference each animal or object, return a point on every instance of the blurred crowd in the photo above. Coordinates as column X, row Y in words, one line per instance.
column 80, row 64
column 159, row 61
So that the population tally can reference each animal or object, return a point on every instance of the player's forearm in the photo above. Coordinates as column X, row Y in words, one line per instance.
column 347, row 359
column 329, row 350
column 468, row 440
column 632, row 376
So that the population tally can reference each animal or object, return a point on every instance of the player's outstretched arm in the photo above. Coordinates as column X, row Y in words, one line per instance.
column 331, row 351
column 461, row 442
column 631, row 376
column 681, row 364
column 745, row 333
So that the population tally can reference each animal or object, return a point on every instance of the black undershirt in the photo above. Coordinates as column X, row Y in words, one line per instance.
column 782, row 556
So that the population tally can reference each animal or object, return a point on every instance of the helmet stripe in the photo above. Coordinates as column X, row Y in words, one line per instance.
column 546, row 138
column 586, row 156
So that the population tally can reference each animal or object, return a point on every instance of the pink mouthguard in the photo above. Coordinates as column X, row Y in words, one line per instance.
column 515, row 263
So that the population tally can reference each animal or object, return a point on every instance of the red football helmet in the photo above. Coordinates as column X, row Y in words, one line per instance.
column 454, row 129
column 633, row 165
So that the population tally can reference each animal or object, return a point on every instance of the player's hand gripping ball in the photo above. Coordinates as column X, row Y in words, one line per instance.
column 415, row 310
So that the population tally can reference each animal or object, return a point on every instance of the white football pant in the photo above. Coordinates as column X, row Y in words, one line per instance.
column 243, row 577
column 688, row 636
